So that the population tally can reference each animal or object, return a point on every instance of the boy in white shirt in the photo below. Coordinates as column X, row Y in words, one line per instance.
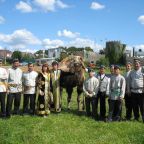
column 90, row 88
column 29, row 84
column 117, row 92
column 128, row 98
column 103, row 91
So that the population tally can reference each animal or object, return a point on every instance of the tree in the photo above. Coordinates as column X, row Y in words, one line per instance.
column 27, row 58
column 73, row 49
column 17, row 55
column 39, row 54
column 103, row 61
column 88, row 49
column 102, row 51
column 114, row 52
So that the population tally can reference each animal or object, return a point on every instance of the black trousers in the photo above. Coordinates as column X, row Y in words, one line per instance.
column 128, row 105
column 102, row 97
column 2, row 101
column 27, row 98
column 91, row 103
column 16, row 97
column 138, row 103
column 115, row 106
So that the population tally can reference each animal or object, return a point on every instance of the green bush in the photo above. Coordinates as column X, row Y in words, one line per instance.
column 103, row 61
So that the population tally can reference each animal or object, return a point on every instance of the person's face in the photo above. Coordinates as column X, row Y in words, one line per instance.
column 91, row 74
column 16, row 64
column 128, row 67
column 136, row 65
column 112, row 70
column 30, row 67
column 55, row 67
column 117, row 71
column 45, row 68
column 102, row 71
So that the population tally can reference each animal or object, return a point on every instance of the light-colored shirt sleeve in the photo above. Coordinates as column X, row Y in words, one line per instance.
column 123, row 87
column 84, row 89
column 4, row 75
column 96, row 87
column 107, row 88
column 110, row 85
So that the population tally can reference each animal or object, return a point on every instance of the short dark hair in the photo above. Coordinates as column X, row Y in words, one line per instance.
column 30, row 63
column 112, row 66
column 90, row 70
column 15, row 60
column 54, row 63
column 117, row 67
column 128, row 63
column 137, row 61
column 102, row 66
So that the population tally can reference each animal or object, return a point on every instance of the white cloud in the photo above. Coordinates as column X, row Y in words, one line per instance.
column 1, row 47
column 60, row 4
column 78, row 42
column 19, row 39
column 141, row 46
column 81, row 42
column 97, row 6
column 137, row 47
column 29, row 50
column 141, row 19
column 49, row 5
column 47, row 43
column 45, row 5
column 2, row 19
column 40, row 5
column 68, row 34
column 24, row 7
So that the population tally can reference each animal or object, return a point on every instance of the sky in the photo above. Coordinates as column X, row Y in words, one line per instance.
column 30, row 25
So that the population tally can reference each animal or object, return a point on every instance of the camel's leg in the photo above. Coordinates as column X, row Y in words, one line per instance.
column 69, row 92
column 80, row 98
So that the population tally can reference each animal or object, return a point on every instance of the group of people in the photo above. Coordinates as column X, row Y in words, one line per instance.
column 14, row 82
column 116, row 87
column 97, row 87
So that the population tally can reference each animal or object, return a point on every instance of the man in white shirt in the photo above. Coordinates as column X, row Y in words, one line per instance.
column 14, row 88
column 90, row 89
column 117, row 92
column 136, row 89
column 128, row 99
column 29, row 85
column 103, row 91
column 3, row 88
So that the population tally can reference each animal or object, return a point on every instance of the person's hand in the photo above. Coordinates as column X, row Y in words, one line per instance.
column 7, row 91
column 41, row 93
column 90, row 95
column 86, row 93
column 90, row 92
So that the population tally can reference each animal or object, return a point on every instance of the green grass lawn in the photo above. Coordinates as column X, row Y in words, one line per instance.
column 68, row 128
